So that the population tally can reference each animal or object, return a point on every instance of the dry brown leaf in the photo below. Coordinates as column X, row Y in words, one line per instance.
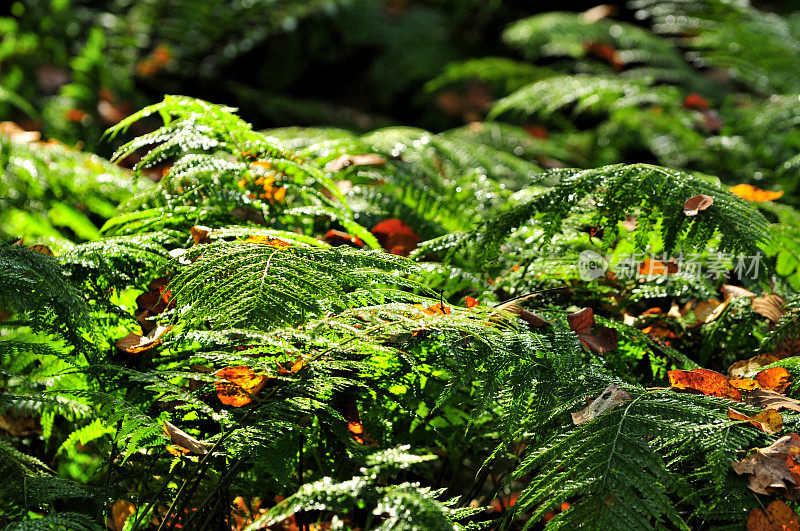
column 39, row 248
column 18, row 134
column 534, row 320
column 737, row 291
column 768, row 421
column 767, row 398
column 695, row 204
column 201, row 234
column 770, row 306
column 184, row 440
column 120, row 511
column 608, row 399
column 773, row 468
column 710, row 310
column 343, row 161
column 20, row 426
column 134, row 343
column 745, row 368
column 776, row 517
column 602, row 340
column 704, row 381
column 596, row 13
column 630, row 223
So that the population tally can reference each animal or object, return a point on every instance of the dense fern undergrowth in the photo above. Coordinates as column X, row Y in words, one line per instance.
column 580, row 309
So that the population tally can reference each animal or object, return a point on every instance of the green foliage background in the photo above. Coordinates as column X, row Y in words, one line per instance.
column 509, row 138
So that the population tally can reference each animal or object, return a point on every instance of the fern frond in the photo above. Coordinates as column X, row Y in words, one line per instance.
column 621, row 187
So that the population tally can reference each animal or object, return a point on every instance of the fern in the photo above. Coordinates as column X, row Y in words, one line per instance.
column 622, row 187
column 399, row 506
column 764, row 44
column 566, row 34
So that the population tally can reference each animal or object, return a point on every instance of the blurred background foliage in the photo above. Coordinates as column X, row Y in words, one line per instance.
column 71, row 69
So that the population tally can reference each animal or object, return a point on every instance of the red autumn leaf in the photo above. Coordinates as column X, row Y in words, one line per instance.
column 396, row 236
column 470, row 302
column 696, row 102
column 776, row 517
column 236, row 386
column 704, row 381
column 602, row 340
column 696, row 204
column 337, row 237
column 776, row 378
column 537, row 131
column 349, row 410
column 606, row 52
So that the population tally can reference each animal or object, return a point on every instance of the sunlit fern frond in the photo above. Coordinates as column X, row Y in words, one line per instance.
column 752, row 46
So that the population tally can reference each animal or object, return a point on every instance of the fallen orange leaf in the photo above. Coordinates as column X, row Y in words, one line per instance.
column 744, row 384
column 707, row 382
column 749, row 192
column 263, row 239
column 435, row 309
column 396, row 237
column 768, row 421
column 120, row 511
column 776, row 517
column 656, row 267
column 776, row 378
column 236, row 386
